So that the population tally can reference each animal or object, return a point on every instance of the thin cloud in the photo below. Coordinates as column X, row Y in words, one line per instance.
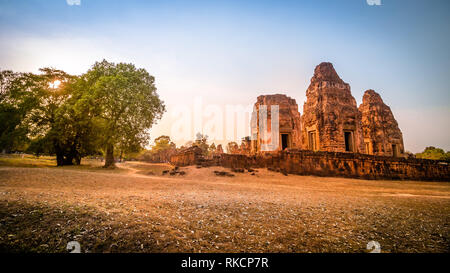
column 73, row 2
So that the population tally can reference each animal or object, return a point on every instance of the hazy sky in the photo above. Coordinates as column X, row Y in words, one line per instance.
column 229, row 52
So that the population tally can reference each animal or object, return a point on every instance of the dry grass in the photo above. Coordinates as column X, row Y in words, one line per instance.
column 27, row 161
column 42, row 209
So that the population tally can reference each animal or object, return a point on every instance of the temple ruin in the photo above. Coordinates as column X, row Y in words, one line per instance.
column 331, row 120
column 333, row 137
column 380, row 129
column 289, row 121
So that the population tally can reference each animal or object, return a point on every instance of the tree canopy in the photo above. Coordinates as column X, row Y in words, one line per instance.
column 124, row 103
column 161, row 151
column 434, row 153
column 110, row 107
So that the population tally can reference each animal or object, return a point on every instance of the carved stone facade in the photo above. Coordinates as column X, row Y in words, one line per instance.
column 380, row 129
column 289, row 122
column 332, row 138
column 331, row 120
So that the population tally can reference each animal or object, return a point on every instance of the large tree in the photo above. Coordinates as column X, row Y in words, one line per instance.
column 13, row 107
column 122, row 100
column 50, row 127
column 37, row 110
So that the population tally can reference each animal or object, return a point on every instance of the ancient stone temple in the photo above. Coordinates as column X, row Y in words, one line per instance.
column 331, row 120
column 332, row 137
column 380, row 129
column 289, row 122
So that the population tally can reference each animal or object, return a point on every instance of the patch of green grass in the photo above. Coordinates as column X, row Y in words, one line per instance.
column 148, row 168
column 27, row 161
column 31, row 161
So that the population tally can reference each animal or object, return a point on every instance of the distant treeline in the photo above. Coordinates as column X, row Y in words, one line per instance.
column 107, row 110
column 434, row 153
column 163, row 148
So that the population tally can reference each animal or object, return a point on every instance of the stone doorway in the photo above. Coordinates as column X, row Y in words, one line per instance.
column 312, row 141
column 349, row 143
column 284, row 141
column 394, row 150
column 367, row 146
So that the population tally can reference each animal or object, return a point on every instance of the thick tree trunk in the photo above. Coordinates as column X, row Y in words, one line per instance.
column 78, row 159
column 59, row 159
column 59, row 156
column 109, row 161
column 76, row 151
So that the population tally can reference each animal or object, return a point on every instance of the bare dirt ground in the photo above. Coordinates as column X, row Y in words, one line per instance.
column 138, row 209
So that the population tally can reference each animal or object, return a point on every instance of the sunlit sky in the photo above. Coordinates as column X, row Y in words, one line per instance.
column 229, row 52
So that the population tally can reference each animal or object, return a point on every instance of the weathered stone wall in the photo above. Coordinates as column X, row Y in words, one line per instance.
column 329, row 111
column 187, row 157
column 342, row 165
column 302, row 162
column 380, row 129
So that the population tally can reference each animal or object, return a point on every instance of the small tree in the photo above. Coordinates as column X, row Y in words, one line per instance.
column 163, row 149
column 232, row 147
column 212, row 149
column 163, row 143
column 201, row 141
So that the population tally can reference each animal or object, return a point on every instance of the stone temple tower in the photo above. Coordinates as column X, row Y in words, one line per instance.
column 331, row 120
column 382, row 136
column 289, row 122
